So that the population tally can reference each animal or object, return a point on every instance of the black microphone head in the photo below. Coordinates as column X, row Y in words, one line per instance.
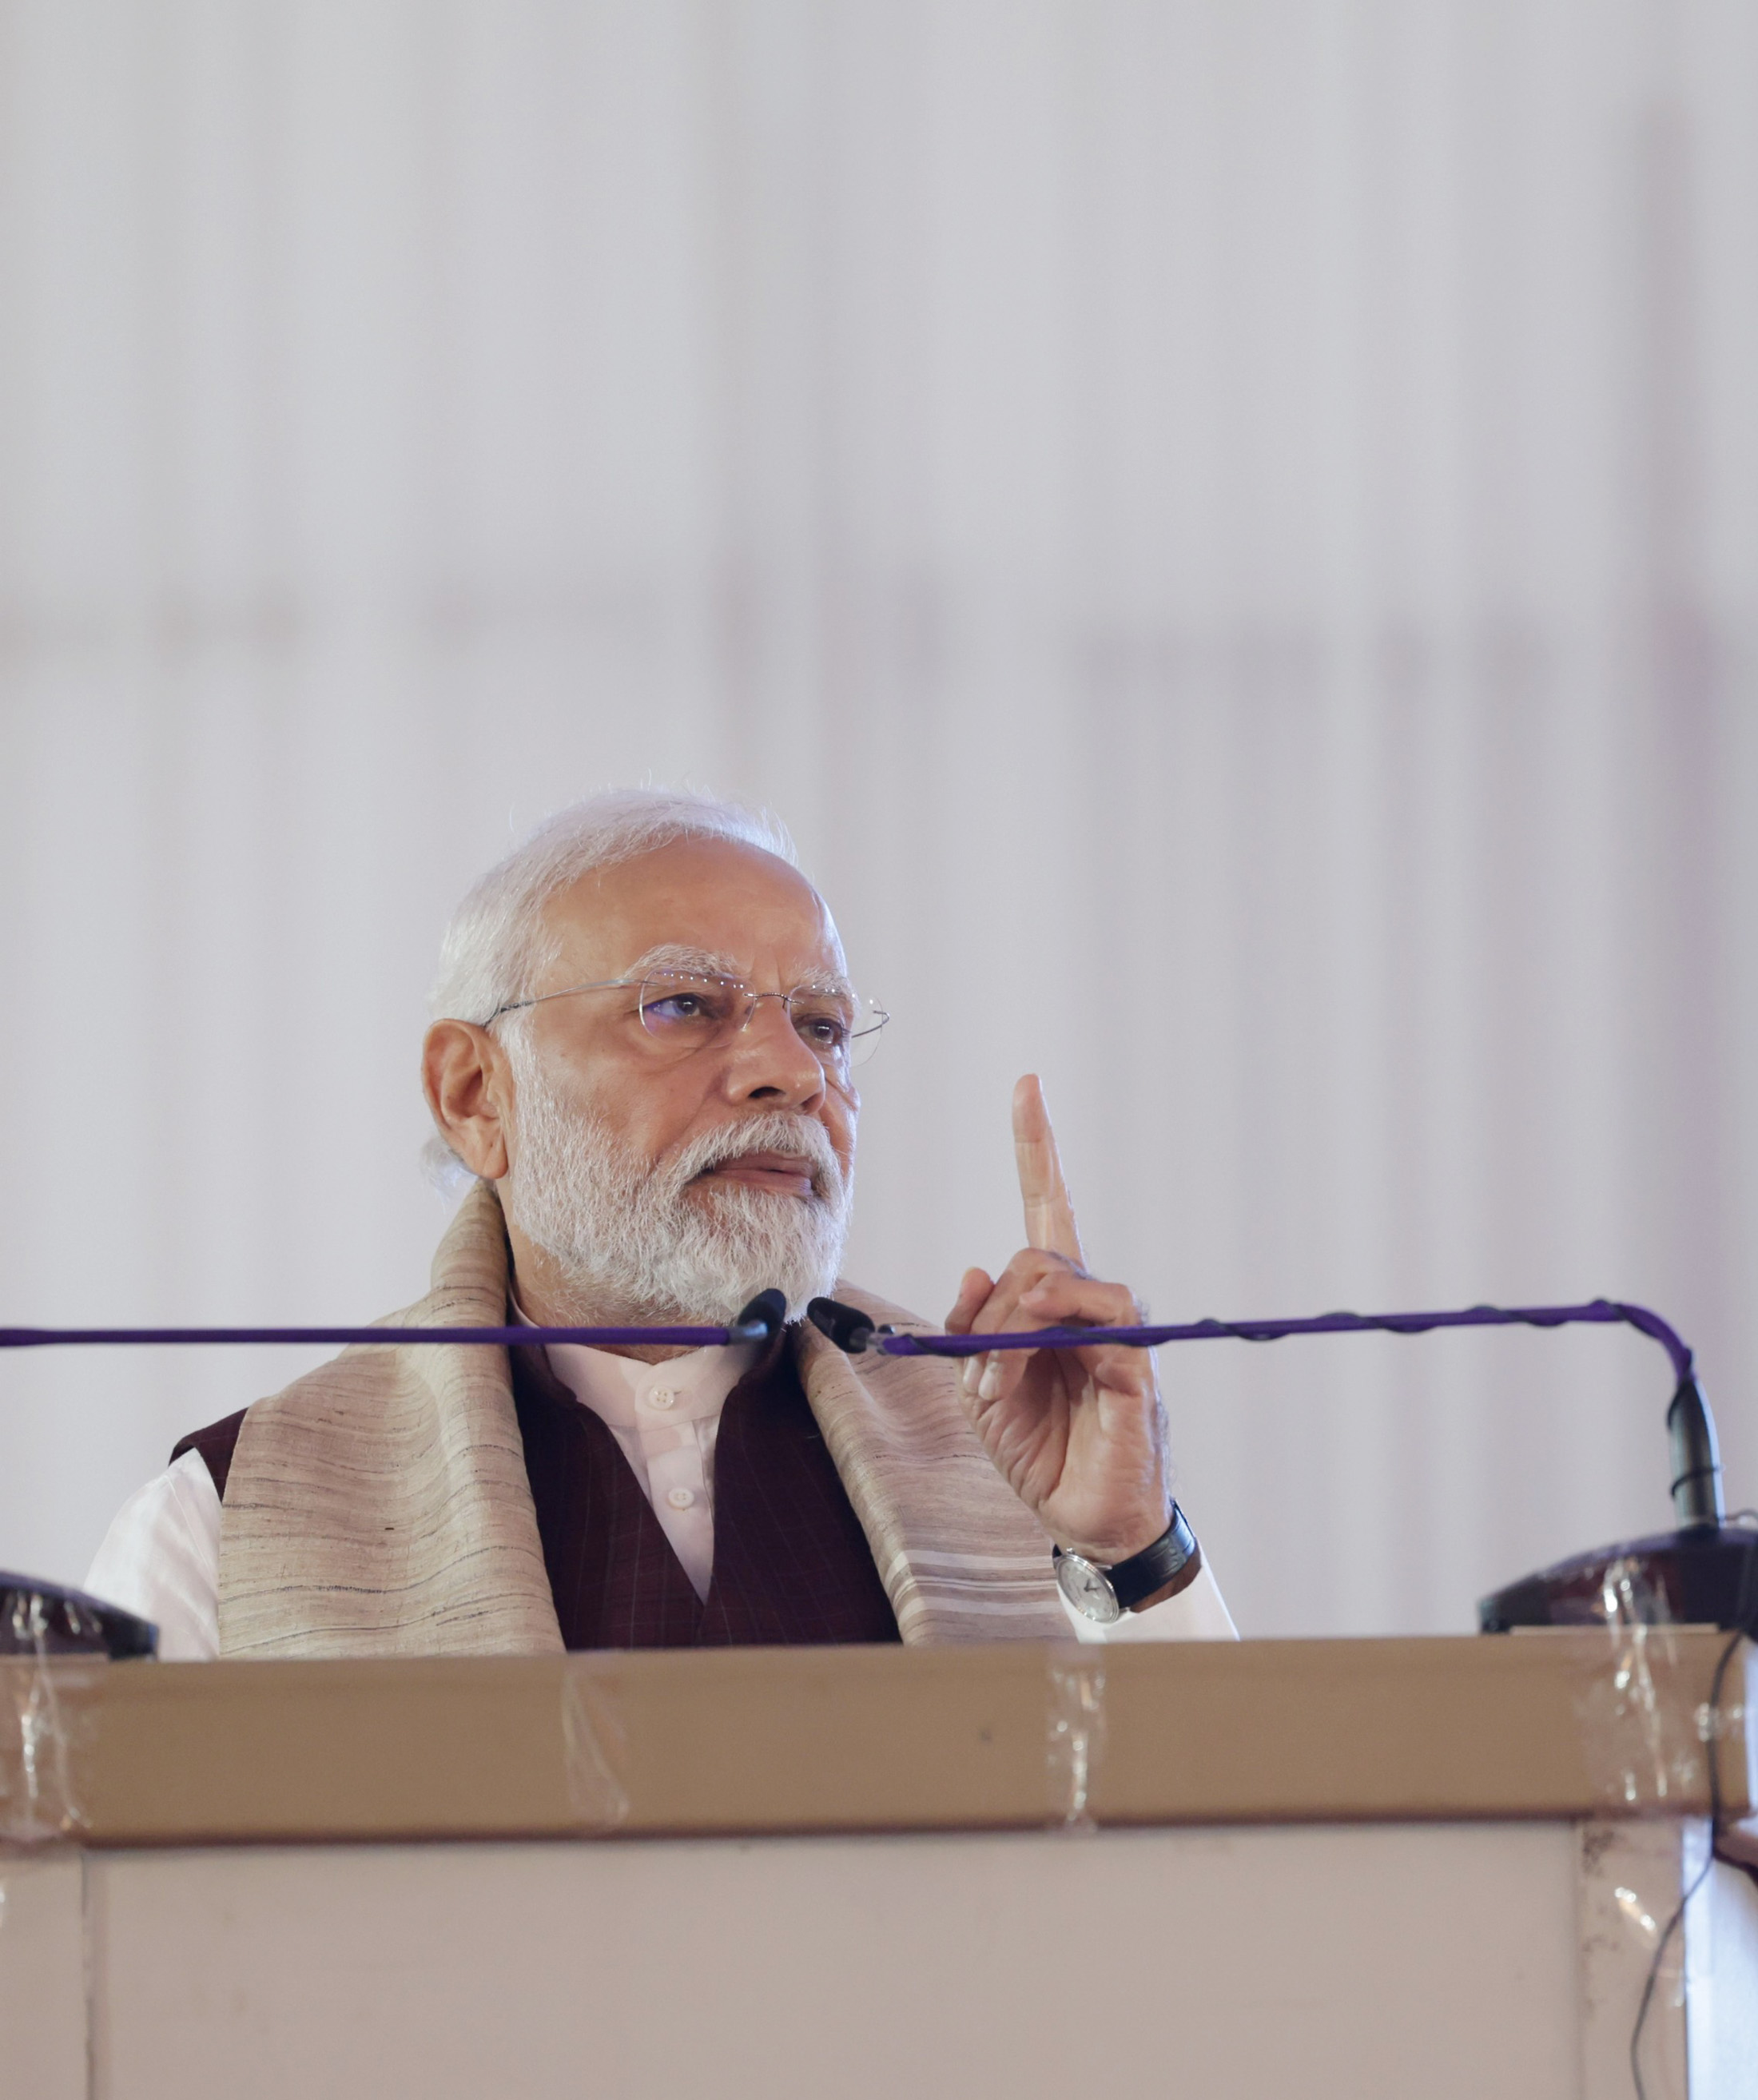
column 851, row 1331
column 764, row 1317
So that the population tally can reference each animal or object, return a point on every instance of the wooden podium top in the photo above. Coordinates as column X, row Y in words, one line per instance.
column 1015, row 1735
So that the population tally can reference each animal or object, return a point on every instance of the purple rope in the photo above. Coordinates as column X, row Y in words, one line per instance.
column 1599, row 1311
column 688, row 1337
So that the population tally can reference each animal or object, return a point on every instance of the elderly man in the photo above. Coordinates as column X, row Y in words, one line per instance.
column 643, row 1062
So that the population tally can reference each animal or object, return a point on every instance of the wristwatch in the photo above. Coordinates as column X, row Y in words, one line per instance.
column 1106, row 1594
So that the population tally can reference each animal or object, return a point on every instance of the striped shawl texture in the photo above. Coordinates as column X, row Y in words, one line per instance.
column 380, row 1505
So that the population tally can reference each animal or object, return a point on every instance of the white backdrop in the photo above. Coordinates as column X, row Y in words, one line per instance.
column 1229, row 531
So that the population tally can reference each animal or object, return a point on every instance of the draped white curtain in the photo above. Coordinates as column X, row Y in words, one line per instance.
column 1229, row 528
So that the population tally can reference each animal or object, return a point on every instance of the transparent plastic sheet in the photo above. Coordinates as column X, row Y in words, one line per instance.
column 1653, row 1756
column 1075, row 1745
column 595, row 1746
column 48, row 1724
column 1630, row 1875
column 1634, row 1871
column 1644, row 1752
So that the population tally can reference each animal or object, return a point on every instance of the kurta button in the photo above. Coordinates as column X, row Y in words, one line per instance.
column 679, row 1497
column 661, row 1396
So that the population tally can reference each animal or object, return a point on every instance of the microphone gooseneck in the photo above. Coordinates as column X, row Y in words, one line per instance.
column 768, row 1311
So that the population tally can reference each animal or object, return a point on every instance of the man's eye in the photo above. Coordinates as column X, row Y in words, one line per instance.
column 824, row 1031
column 677, row 1010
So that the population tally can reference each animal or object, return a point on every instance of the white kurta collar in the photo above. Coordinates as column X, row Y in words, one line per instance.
column 628, row 1394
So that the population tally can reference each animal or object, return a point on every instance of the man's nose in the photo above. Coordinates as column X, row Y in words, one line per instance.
column 769, row 1062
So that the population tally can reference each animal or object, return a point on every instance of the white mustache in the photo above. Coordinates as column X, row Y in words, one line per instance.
column 776, row 1131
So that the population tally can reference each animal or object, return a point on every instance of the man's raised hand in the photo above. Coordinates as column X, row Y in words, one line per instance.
column 1080, row 1435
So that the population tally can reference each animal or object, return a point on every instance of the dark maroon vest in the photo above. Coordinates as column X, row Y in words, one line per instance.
column 792, row 1564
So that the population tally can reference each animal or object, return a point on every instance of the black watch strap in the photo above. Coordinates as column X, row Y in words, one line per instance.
column 1174, row 1553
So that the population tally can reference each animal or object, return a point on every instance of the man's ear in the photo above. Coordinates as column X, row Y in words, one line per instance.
column 469, row 1087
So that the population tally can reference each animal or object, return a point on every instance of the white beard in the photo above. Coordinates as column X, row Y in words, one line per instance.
column 635, row 1241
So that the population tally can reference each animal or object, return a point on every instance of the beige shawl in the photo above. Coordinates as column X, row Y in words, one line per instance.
column 380, row 1506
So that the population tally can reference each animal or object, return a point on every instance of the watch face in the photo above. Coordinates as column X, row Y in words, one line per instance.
column 1087, row 1589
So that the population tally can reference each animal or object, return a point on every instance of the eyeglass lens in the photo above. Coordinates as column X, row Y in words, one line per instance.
column 684, row 1012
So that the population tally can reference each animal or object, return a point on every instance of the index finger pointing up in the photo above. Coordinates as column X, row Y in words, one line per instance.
column 1050, row 1216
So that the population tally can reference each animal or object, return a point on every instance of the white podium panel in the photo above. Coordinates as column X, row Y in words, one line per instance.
column 1363, row 1962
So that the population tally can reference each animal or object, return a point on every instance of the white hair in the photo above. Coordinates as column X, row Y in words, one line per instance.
column 496, row 947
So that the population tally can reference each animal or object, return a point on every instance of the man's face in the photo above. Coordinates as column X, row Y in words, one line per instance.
column 757, row 919
column 650, row 1174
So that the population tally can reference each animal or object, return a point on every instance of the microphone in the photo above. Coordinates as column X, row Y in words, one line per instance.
column 849, row 1328
column 762, row 1320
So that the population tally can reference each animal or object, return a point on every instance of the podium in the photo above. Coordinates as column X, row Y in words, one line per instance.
column 1361, row 1869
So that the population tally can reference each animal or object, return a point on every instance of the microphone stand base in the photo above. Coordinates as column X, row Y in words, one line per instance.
column 45, row 1618
column 1705, row 1576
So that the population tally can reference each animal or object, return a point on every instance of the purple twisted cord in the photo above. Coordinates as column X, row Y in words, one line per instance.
column 600, row 1338
column 1599, row 1311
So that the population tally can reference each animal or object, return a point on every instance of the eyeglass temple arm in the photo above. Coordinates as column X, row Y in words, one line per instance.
column 566, row 991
